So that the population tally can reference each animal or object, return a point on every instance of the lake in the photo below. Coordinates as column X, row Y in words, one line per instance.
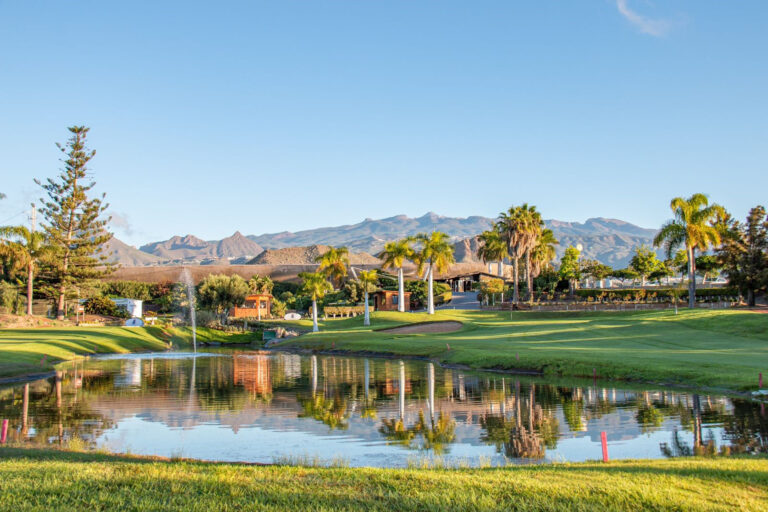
column 265, row 407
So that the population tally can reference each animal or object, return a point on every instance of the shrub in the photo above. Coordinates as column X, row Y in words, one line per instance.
column 278, row 308
column 105, row 306
column 10, row 299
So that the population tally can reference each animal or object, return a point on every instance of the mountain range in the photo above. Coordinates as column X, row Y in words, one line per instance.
column 610, row 241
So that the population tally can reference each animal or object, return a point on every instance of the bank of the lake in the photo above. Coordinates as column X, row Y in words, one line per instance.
column 36, row 351
column 32, row 479
column 715, row 349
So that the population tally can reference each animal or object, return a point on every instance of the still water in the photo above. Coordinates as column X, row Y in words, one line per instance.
column 268, row 407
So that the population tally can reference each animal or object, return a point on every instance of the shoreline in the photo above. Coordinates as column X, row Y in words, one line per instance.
column 512, row 371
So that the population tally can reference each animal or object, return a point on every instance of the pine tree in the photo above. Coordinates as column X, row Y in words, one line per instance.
column 73, row 221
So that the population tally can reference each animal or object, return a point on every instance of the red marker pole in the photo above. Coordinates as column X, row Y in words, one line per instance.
column 4, row 434
column 604, row 442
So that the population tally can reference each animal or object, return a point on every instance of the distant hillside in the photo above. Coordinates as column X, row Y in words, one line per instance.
column 306, row 256
column 371, row 235
column 194, row 249
column 610, row 241
column 126, row 255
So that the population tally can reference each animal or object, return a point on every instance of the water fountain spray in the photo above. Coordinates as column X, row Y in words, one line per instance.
column 186, row 278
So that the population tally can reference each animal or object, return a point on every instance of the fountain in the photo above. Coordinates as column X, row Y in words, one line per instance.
column 186, row 278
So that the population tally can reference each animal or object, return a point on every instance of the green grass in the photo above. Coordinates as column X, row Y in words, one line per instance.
column 27, row 351
column 700, row 348
column 58, row 480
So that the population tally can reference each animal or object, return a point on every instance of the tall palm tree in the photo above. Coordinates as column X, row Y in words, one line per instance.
column 316, row 286
column 531, row 233
column 27, row 248
column 435, row 253
column 367, row 279
column 393, row 256
column 492, row 248
column 544, row 253
column 334, row 263
column 520, row 227
column 693, row 228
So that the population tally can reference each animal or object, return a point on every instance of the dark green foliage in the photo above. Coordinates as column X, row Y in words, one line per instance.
column 547, row 280
column 129, row 290
column 419, row 291
column 104, row 306
column 73, row 222
column 665, row 294
column 744, row 253
column 11, row 301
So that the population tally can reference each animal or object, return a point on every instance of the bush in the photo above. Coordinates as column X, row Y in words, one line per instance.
column 104, row 306
column 128, row 289
column 278, row 308
column 11, row 301
column 660, row 294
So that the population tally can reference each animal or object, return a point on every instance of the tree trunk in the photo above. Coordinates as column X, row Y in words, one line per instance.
column 367, row 317
column 751, row 298
column 500, row 269
column 30, row 277
column 571, row 287
column 400, row 291
column 691, row 277
column 529, row 276
column 430, row 294
column 515, row 281
column 315, row 328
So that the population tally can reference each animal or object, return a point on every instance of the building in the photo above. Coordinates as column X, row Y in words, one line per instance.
column 465, row 282
column 386, row 300
column 134, row 307
column 256, row 305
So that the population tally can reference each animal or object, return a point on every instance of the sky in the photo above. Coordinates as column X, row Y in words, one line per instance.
column 211, row 117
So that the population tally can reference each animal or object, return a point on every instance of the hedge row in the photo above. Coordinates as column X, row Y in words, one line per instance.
column 656, row 293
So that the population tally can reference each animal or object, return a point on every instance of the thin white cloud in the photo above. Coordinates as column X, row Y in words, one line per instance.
column 121, row 222
column 646, row 25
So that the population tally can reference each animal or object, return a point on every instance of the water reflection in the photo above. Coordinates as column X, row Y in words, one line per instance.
column 258, row 406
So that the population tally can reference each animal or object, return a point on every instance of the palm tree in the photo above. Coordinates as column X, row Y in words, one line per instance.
column 334, row 263
column 693, row 228
column 492, row 248
column 315, row 285
column 27, row 248
column 367, row 278
column 531, row 233
column 519, row 227
column 393, row 256
column 436, row 253
column 544, row 252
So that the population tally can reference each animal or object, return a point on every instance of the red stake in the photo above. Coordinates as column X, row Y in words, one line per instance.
column 604, row 442
column 447, row 346
column 4, row 434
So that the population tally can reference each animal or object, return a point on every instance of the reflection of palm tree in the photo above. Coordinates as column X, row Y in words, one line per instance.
column 332, row 412
column 435, row 435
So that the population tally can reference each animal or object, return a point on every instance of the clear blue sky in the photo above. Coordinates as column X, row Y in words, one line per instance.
column 210, row 117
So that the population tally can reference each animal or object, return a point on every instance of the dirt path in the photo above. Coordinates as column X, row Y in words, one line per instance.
column 426, row 328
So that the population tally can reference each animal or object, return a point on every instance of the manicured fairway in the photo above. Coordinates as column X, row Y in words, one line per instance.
column 53, row 480
column 722, row 349
column 24, row 351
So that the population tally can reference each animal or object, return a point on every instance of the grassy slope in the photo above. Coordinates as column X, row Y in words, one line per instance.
column 22, row 350
column 700, row 348
column 53, row 480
